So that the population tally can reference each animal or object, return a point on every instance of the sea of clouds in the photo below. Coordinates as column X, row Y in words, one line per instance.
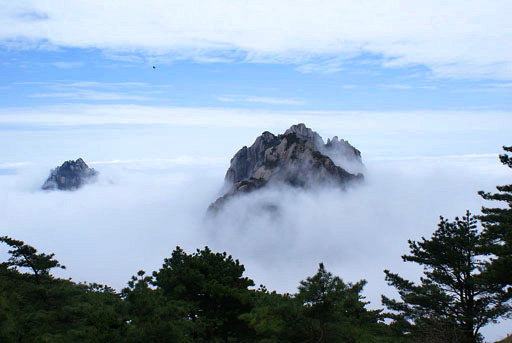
column 158, row 178
column 139, row 211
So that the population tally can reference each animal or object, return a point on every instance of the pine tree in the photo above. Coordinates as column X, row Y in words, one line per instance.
column 497, row 222
column 334, row 311
column 452, row 301
column 325, row 309
column 212, row 288
column 26, row 256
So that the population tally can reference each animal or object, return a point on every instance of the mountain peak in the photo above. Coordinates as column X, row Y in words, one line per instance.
column 70, row 175
column 298, row 157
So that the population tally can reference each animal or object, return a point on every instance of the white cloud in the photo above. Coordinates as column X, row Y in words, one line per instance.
column 460, row 38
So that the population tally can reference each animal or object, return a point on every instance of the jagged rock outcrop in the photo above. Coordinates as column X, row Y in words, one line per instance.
column 70, row 176
column 298, row 157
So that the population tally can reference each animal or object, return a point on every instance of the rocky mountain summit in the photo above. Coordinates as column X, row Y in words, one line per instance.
column 70, row 175
column 299, row 157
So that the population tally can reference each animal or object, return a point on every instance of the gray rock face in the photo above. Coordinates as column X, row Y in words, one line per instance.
column 305, row 132
column 247, row 160
column 298, row 157
column 70, row 175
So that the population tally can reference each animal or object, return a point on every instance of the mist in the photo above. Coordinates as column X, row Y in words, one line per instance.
column 160, row 169
column 140, row 210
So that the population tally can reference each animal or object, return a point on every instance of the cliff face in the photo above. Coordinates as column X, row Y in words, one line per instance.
column 298, row 157
column 70, row 175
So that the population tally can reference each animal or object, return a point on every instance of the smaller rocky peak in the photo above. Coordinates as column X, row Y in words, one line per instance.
column 70, row 175
column 267, row 136
column 332, row 141
column 343, row 154
column 79, row 164
column 302, row 130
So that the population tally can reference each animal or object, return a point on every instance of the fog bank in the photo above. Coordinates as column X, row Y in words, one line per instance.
column 140, row 210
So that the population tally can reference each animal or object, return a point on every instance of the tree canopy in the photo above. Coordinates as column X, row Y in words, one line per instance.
column 452, row 301
column 35, row 307
column 214, row 289
column 497, row 222
column 198, row 297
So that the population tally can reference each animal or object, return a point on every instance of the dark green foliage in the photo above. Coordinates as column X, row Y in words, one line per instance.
column 452, row 301
column 153, row 317
column 56, row 310
column 324, row 310
column 497, row 222
column 291, row 138
column 276, row 318
column 213, row 292
column 335, row 310
column 199, row 297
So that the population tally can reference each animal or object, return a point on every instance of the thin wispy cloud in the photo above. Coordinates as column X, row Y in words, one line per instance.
column 312, row 35
column 62, row 84
column 129, row 58
column 94, row 91
column 68, row 65
column 500, row 85
column 405, row 86
column 92, row 96
column 325, row 67
column 411, row 121
column 8, row 165
column 260, row 99
column 483, row 89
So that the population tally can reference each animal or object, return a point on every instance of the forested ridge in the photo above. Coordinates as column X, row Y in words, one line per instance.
column 204, row 296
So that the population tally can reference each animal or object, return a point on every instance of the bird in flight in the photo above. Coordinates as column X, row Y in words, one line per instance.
column 154, row 67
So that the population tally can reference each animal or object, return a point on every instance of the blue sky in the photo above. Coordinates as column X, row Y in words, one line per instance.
column 294, row 55
column 72, row 75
